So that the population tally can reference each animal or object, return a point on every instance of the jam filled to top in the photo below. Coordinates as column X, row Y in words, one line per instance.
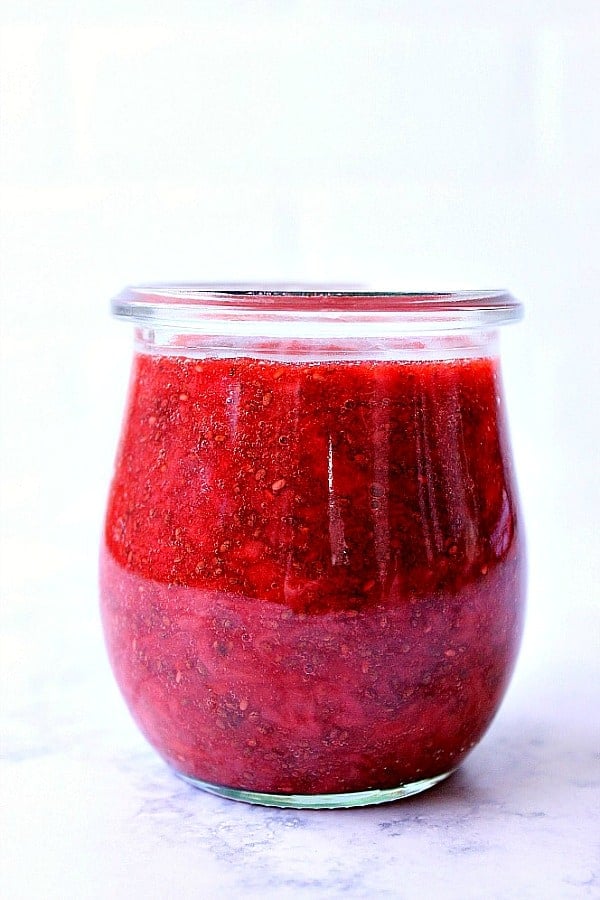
column 312, row 572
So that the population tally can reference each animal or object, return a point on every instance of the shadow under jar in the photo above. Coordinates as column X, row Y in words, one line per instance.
column 312, row 571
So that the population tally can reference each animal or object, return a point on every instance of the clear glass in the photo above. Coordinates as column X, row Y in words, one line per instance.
column 312, row 570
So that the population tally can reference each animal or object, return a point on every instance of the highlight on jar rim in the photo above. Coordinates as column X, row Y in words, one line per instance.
column 179, row 304
column 312, row 571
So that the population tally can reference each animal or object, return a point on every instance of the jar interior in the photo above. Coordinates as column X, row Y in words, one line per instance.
column 165, row 341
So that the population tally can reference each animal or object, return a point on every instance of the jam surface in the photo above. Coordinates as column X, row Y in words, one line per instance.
column 312, row 573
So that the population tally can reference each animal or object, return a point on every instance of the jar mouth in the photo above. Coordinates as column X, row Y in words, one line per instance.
column 316, row 309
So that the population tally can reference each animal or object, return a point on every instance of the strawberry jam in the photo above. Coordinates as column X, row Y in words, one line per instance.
column 312, row 572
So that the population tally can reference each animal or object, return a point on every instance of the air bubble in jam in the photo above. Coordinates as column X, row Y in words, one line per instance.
column 313, row 584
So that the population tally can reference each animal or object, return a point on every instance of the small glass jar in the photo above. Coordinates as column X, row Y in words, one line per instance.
column 312, row 571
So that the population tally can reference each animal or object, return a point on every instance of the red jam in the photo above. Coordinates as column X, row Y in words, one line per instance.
column 312, row 573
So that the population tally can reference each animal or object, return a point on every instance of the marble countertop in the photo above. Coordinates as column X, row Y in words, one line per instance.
column 91, row 812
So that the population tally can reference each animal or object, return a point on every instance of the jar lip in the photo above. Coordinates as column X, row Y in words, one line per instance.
column 189, row 305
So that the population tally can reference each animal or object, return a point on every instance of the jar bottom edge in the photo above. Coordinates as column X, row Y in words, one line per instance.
column 319, row 801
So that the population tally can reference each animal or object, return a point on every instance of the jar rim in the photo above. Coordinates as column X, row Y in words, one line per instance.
column 190, row 306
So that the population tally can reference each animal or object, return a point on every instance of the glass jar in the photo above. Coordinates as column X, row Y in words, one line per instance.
column 312, row 571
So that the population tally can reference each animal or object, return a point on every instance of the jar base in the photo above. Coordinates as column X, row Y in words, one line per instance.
column 319, row 801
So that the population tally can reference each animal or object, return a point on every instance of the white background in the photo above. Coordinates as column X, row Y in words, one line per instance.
column 430, row 145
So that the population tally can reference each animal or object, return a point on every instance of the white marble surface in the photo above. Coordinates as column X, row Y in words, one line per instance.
column 91, row 812
column 480, row 168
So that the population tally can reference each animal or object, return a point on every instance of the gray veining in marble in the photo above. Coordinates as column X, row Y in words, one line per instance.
column 92, row 812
